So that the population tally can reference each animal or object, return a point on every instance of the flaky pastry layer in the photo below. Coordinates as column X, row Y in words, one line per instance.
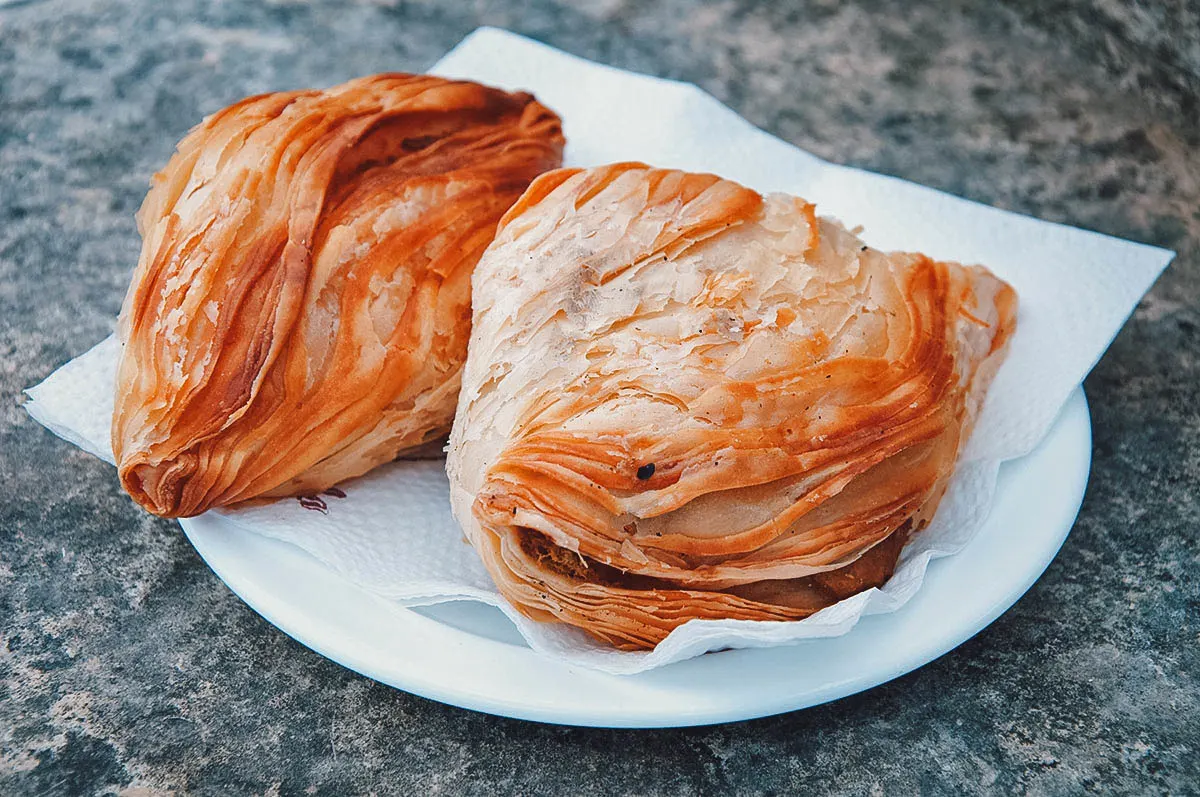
column 301, row 308
column 685, row 400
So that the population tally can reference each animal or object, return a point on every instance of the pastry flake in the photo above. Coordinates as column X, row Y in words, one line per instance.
column 301, row 308
column 684, row 400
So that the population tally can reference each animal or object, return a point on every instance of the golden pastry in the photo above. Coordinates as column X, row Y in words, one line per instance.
column 301, row 308
column 686, row 400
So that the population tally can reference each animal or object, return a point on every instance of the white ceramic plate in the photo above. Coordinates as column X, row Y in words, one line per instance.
column 469, row 655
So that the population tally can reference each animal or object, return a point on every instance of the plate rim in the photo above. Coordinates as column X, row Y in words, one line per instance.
column 205, row 532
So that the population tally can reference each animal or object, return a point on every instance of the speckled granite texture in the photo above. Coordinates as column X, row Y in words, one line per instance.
column 127, row 667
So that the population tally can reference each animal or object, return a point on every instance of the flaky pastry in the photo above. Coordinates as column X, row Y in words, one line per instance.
column 301, row 308
column 685, row 400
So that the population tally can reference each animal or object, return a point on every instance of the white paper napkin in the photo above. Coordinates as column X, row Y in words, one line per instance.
column 392, row 532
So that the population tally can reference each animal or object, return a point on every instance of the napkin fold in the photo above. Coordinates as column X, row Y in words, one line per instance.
column 391, row 530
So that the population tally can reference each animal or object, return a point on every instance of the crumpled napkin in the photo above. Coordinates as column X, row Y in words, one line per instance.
column 391, row 531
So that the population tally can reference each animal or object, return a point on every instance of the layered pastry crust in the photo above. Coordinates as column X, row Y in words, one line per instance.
column 301, row 308
column 686, row 400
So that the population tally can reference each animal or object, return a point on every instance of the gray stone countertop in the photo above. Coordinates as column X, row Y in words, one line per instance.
column 127, row 667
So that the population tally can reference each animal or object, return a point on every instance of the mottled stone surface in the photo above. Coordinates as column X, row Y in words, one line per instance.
column 126, row 665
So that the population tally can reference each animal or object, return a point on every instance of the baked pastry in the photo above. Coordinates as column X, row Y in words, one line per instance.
column 686, row 400
column 301, row 308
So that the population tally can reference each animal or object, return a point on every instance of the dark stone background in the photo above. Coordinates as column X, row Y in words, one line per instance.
column 125, row 665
